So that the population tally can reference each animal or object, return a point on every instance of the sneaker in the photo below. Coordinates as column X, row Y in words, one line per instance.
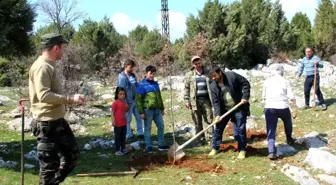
column 324, row 107
column 306, row 107
column 291, row 142
column 149, row 149
column 119, row 153
column 203, row 142
column 241, row 155
column 272, row 156
column 200, row 143
column 163, row 148
column 129, row 137
column 125, row 151
column 213, row 152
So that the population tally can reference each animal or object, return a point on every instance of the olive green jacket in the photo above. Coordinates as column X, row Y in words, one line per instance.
column 190, row 87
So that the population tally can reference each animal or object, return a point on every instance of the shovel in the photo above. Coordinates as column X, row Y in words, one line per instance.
column 133, row 172
column 175, row 151
column 22, row 138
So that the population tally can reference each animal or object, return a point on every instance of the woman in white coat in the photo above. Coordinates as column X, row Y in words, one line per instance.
column 277, row 95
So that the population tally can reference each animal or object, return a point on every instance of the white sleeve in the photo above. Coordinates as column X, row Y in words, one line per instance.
column 263, row 96
column 290, row 94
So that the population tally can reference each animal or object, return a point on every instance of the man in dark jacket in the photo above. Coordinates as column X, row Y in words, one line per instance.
column 227, row 90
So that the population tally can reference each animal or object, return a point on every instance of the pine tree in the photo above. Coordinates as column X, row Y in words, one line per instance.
column 278, row 30
column 16, row 22
column 301, row 24
column 210, row 20
column 325, row 27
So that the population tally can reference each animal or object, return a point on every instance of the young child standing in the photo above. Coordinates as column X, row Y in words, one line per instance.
column 119, row 121
column 150, row 106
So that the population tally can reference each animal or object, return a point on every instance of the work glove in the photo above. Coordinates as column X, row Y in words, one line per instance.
column 216, row 119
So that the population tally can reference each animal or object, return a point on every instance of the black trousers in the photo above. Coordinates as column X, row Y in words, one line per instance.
column 120, row 138
column 308, row 84
column 57, row 150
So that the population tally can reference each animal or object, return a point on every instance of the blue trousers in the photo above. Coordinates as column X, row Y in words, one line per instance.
column 239, row 130
column 272, row 116
column 156, row 116
column 133, row 110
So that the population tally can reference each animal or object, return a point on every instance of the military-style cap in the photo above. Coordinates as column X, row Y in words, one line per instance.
column 52, row 39
column 195, row 58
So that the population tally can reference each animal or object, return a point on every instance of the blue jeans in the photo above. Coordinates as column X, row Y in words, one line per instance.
column 239, row 130
column 156, row 116
column 133, row 110
column 272, row 116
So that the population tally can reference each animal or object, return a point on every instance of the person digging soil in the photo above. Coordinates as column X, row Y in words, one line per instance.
column 227, row 90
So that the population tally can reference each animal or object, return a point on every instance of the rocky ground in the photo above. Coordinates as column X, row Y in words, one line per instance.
column 313, row 161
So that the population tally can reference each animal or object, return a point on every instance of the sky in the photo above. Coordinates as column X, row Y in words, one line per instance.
column 127, row 14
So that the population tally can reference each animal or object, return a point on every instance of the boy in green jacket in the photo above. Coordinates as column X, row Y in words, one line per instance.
column 150, row 106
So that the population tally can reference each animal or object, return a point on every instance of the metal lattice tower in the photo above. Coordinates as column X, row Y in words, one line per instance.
column 165, row 18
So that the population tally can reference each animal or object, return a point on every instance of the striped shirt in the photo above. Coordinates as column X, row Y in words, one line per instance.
column 307, row 66
column 201, row 86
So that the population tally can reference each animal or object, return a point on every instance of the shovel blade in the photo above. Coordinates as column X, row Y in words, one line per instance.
column 174, row 154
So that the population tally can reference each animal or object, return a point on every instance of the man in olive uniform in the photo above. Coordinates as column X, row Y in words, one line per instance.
column 197, row 97
column 57, row 148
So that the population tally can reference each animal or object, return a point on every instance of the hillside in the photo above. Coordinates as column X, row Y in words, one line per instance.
column 312, row 161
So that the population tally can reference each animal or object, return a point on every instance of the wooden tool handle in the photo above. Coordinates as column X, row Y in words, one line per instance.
column 106, row 174
column 315, row 73
column 211, row 125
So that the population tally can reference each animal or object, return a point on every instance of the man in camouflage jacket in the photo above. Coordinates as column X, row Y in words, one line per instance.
column 197, row 97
